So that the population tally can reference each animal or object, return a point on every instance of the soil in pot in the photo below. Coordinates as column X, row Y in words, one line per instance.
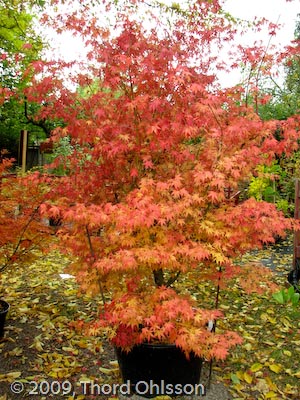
column 4, row 307
column 156, row 369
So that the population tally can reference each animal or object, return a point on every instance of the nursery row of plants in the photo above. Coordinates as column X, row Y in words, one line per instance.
column 161, row 178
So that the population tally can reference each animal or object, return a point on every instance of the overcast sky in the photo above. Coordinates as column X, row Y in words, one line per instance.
column 277, row 11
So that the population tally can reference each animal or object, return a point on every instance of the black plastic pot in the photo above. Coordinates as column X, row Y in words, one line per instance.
column 159, row 369
column 4, row 307
column 294, row 279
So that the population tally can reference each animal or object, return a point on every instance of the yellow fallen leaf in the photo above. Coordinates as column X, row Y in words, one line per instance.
column 70, row 350
column 288, row 371
column 275, row 368
column 38, row 344
column 82, row 344
column 289, row 389
column 14, row 374
column 270, row 395
column 106, row 370
column 10, row 376
column 269, row 343
column 161, row 398
column 23, row 309
column 248, row 378
column 264, row 317
column 261, row 386
column 240, row 375
column 256, row 367
column 287, row 353
column 297, row 374
column 80, row 397
column 272, row 385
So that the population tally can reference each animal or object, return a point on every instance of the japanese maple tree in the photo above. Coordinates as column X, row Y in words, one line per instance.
column 22, row 231
column 159, row 151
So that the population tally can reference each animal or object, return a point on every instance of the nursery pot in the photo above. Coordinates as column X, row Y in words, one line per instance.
column 4, row 307
column 294, row 278
column 160, row 369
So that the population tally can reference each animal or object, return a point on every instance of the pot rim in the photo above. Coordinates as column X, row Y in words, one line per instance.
column 5, row 305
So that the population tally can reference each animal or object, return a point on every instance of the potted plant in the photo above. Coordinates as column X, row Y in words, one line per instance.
column 157, row 151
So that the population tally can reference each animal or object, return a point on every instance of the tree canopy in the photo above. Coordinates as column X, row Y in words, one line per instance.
column 19, row 46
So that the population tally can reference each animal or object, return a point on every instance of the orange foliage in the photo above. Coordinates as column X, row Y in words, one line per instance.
column 157, row 148
column 21, row 228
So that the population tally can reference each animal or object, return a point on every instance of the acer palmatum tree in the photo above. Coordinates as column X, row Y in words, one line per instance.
column 158, row 153
column 23, row 233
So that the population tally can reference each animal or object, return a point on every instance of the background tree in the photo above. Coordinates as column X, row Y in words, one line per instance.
column 282, row 100
column 19, row 45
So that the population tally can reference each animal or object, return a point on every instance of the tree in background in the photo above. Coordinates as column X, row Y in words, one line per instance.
column 292, row 82
column 19, row 46
column 277, row 184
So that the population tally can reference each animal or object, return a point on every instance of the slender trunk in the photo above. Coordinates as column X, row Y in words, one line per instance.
column 159, row 277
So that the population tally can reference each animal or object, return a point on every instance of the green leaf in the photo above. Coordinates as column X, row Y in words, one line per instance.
column 234, row 379
column 279, row 296
column 295, row 299
column 290, row 293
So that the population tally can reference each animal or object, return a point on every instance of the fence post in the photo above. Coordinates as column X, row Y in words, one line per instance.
column 23, row 149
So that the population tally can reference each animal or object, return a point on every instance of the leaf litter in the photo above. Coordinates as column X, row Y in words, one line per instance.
column 41, row 344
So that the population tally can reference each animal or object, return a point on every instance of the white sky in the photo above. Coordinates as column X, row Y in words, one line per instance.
column 274, row 10
column 277, row 11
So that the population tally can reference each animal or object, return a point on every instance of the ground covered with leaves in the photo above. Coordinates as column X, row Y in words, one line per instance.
column 267, row 364
column 48, row 358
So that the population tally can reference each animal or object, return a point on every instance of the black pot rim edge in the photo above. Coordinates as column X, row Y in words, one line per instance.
column 6, row 306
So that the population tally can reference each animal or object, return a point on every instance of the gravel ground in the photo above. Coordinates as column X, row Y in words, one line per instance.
column 213, row 391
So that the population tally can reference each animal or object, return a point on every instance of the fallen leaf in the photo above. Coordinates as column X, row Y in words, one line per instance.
column 256, row 367
column 275, row 368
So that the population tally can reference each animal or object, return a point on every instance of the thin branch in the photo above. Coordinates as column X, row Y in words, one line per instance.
column 93, row 256
column 26, row 226
column 173, row 279
column 41, row 123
